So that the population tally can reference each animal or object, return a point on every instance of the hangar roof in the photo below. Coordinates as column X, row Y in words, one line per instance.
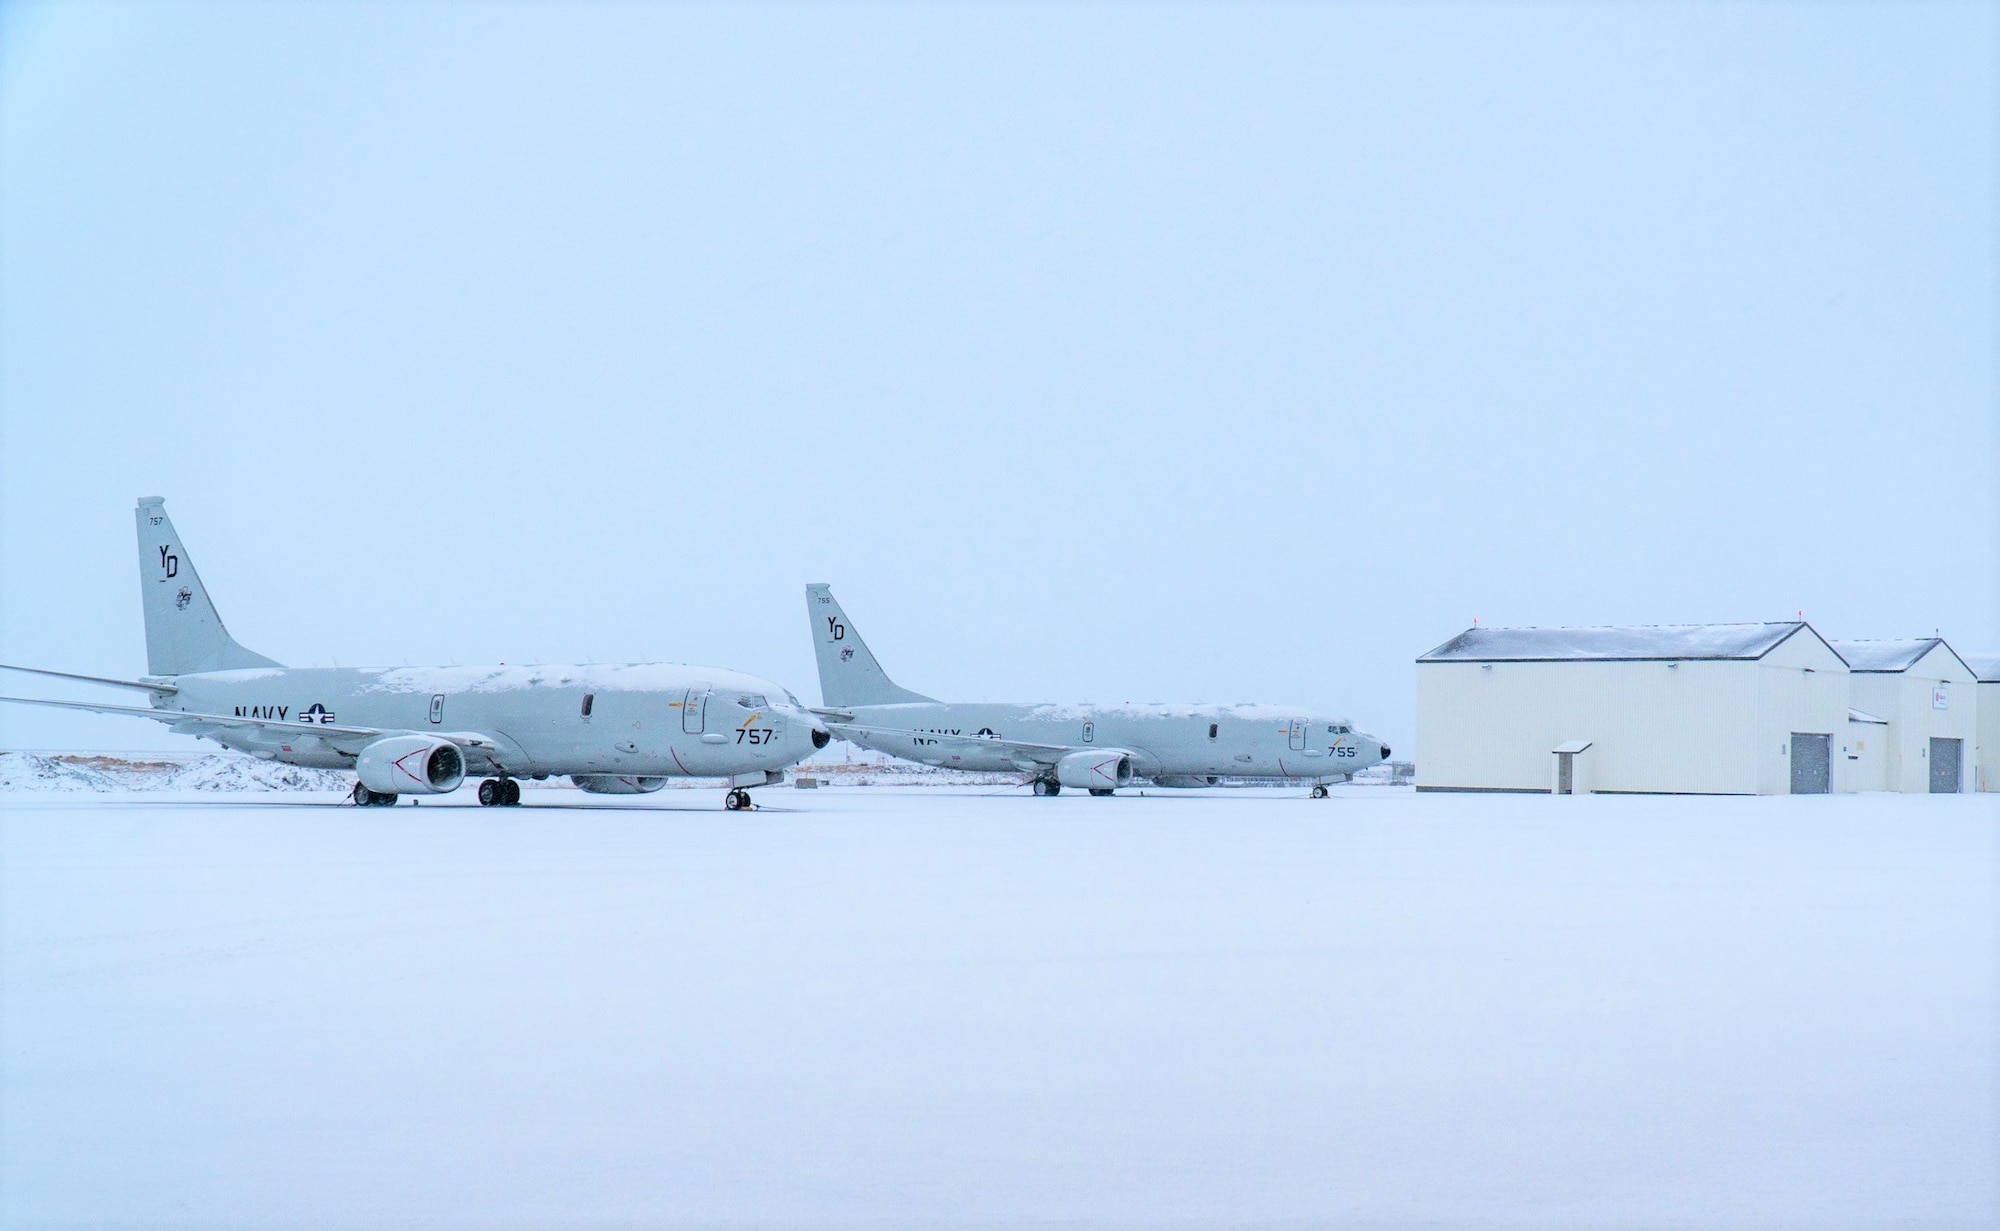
column 1652, row 643
column 1985, row 666
column 1891, row 656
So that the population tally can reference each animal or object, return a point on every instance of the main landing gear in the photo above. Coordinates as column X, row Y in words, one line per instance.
column 738, row 800
column 499, row 792
column 1047, row 786
column 365, row 798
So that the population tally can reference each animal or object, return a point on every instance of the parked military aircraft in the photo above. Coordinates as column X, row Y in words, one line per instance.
column 615, row 730
column 1095, row 747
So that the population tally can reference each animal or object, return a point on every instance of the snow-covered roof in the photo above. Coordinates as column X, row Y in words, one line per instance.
column 1985, row 666
column 1668, row 642
column 1889, row 656
column 1859, row 716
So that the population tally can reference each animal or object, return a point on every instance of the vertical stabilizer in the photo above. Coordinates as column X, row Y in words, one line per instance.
column 848, row 673
column 183, row 633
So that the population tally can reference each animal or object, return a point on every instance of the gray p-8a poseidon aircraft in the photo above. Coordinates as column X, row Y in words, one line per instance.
column 615, row 730
column 1095, row 747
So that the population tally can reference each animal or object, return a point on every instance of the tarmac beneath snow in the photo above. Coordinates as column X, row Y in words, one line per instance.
column 974, row 1007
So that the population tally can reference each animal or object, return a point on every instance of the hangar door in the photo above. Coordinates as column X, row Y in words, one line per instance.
column 1812, row 764
column 1945, row 767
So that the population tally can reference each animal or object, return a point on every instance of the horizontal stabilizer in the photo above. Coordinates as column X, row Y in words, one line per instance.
column 162, row 689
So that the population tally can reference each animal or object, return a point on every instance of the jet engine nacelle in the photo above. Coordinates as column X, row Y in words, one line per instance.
column 1095, row 769
column 616, row 784
column 411, row 765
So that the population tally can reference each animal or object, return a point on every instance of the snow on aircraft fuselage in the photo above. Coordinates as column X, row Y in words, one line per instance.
column 1098, row 748
column 423, row 730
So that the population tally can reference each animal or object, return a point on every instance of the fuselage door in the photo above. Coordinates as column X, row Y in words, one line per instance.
column 1089, row 732
column 694, row 710
column 437, row 707
column 1298, row 734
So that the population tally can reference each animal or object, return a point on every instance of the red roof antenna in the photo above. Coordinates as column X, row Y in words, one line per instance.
column 1475, row 621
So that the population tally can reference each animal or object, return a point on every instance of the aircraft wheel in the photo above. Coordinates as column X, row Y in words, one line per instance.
column 1319, row 792
column 1045, row 787
column 380, row 800
column 489, row 793
column 512, row 797
column 737, row 800
column 362, row 796
column 1100, row 791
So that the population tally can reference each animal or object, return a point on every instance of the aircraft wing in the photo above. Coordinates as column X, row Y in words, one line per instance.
column 1024, row 753
column 184, row 722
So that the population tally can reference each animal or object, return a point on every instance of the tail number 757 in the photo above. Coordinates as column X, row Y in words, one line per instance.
column 755, row 735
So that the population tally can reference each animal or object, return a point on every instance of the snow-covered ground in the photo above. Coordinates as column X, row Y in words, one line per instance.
column 234, row 771
column 222, row 771
column 962, row 1006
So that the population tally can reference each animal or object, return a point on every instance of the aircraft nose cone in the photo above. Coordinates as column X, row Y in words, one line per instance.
column 821, row 737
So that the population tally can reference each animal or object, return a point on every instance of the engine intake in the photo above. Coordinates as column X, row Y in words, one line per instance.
column 1095, row 769
column 411, row 765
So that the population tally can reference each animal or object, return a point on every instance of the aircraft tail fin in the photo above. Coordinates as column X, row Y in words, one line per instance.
column 183, row 632
column 848, row 673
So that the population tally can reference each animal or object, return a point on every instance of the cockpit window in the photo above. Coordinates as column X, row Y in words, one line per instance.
column 1337, row 729
column 753, row 701
column 793, row 698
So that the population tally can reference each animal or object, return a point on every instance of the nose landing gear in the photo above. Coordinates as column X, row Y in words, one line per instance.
column 499, row 792
column 738, row 800
column 1319, row 790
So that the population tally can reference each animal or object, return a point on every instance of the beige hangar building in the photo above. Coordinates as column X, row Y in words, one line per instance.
column 1986, row 770
column 1695, row 709
column 1925, row 699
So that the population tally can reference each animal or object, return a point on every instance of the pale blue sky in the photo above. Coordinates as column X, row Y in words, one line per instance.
column 1091, row 352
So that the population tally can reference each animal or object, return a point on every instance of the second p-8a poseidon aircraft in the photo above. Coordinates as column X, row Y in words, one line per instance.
column 1098, row 748
column 617, row 730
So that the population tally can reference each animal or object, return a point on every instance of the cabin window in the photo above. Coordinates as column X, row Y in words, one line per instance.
column 1213, row 727
column 437, row 708
column 589, row 699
